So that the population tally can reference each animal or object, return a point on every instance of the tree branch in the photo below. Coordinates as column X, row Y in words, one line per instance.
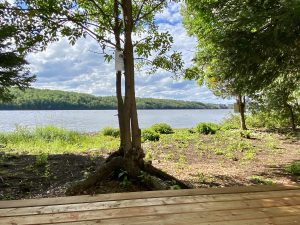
column 103, row 13
column 90, row 31
column 150, row 12
column 139, row 12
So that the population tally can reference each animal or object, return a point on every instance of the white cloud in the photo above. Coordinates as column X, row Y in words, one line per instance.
column 11, row 1
column 170, row 15
column 78, row 68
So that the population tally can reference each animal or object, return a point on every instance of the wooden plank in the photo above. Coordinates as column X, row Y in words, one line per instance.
column 210, row 217
column 284, row 220
column 275, row 195
column 291, row 220
column 145, row 194
column 292, row 206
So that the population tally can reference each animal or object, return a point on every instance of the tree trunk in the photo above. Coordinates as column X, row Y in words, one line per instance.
column 120, row 109
column 119, row 79
column 241, row 103
column 292, row 117
column 133, row 152
column 130, row 156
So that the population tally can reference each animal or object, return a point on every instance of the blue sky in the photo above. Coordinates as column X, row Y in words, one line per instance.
column 77, row 68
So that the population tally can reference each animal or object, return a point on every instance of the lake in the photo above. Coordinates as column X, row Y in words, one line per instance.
column 95, row 120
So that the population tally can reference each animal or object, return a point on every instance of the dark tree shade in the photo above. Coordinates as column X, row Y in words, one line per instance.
column 13, row 70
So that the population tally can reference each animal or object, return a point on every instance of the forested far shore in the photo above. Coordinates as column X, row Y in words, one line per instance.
column 44, row 99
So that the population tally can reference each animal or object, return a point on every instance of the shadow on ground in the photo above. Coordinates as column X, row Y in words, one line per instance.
column 35, row 176
column 206, row 181
column 282, row 172
column 31, row 176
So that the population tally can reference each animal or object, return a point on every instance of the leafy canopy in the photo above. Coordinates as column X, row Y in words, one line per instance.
column 101, row 20
column 243, row 45
column 13, row 70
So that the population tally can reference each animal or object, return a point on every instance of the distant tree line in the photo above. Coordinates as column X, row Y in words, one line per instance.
column 43, row 99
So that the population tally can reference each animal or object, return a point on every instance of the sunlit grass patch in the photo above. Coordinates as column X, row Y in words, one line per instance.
column 232, row 145
column 53, row 140
column 109, row 131
column 179, row 135
column 260, row 180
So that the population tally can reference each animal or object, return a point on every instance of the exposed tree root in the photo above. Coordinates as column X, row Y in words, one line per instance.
column 114, row 163
column 157, row 183
column 119, row 153
column 163, row 175
column 103, row 172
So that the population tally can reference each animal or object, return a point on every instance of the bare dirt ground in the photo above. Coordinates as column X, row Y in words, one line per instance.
column 199, row 160
column 216, row 170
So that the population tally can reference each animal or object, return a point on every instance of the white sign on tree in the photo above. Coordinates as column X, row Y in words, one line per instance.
column 236, row 107
column 119, row 60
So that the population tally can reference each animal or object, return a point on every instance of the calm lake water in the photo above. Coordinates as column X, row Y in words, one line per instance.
column 95, row 120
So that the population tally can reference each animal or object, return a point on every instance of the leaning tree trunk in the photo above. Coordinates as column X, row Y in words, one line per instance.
column 241, row 103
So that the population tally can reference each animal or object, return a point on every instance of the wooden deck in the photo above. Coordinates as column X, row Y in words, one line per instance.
column 272, row 205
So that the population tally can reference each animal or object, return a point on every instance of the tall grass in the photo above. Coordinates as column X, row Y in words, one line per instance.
column 51, row 139
column 46, row 134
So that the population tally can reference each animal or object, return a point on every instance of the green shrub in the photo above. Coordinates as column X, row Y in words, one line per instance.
column 109, row 131
column 245, row 134
column 294, row 168
column 267, row 120
column 192, row 131
column 150, row 135
column 162, row 128
column 207, row 128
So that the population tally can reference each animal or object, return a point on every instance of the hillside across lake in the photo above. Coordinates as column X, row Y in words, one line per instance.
column 44, row 99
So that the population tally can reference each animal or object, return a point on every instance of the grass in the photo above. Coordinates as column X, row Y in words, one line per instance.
column 204, row 179
column 53, row 140
column 293, row 168
column 261, row 180
column 109, row 131
column 41, row 159
column 271, row 143
column 224, row 143
column 224, row 158
column 232, row 145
